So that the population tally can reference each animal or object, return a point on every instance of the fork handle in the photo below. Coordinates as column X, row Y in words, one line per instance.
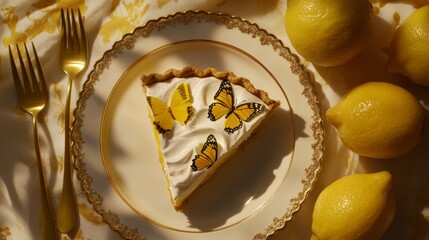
column 47, row 222
column 66, row 219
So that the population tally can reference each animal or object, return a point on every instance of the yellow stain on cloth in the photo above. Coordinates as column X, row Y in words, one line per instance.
column 48, row 22
column 11, row 20
column 43, row 4
column 89, row 214
column 59, row 107
column 114, row 5
column 125, row 17
column 4, row 233
column 162, row 3
column 56, row 163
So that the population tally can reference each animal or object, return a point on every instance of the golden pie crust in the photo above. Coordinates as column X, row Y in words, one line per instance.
column 189, row 72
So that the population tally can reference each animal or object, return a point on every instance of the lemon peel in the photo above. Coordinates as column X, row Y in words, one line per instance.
column 378, row 120
column 329, row 32
column 409, row 48
column 354, row 207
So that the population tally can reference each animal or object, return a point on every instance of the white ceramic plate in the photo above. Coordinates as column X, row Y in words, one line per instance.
column 252, row 195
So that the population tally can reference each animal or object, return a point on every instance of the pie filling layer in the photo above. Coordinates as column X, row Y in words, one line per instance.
column 200, row 118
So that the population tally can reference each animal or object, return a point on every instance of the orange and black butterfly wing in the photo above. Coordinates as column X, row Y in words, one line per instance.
column 232, row 123
column 224, row 101
column 243, row 112
column 208, row 155
column 248, row 111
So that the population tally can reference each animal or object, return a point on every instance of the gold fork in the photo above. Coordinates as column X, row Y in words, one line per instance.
column 32, row 98
column 73, row 59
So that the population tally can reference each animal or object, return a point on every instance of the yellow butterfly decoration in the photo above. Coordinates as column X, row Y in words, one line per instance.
column 234, row 115
column 208, row 155
column 180, row 109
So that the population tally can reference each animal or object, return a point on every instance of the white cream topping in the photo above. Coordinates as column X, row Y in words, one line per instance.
column 181, row 145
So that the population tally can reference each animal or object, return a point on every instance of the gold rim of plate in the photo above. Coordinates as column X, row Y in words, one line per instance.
column 230, row 22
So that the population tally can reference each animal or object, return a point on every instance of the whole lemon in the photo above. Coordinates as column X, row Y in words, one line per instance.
column 354, row 207
column 328, row 32
column 378, row 120
column 409, row 48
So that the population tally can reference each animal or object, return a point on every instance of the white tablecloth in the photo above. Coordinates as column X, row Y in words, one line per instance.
column 106, row 21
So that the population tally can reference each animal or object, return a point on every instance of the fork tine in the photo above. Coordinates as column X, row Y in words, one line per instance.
column 75, row 35
column 64, row 32
column 83, row 40
column 34, row 81
column 42, row 85
column 24, row 72
column 18, row 85
column 69, row 31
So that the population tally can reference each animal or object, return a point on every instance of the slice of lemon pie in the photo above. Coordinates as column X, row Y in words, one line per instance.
column 201, row 117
